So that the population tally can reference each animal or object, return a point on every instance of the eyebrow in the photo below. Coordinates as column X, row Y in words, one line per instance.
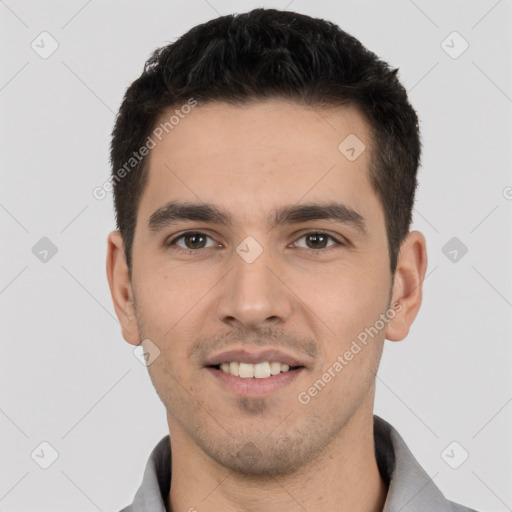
column 174, row 212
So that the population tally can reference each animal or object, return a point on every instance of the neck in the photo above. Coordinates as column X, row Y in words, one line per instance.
column 343, row 477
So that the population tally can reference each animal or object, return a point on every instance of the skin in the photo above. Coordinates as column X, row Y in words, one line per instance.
column 310, row 300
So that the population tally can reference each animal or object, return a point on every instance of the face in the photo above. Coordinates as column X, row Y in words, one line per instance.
column 262, row 272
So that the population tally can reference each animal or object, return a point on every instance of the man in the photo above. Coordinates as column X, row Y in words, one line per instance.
column 264, row 171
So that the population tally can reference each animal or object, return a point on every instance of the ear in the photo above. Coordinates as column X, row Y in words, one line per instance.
column 121, row 288
column 407, row 285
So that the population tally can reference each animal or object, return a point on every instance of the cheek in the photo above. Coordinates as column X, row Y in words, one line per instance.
column 346, row 299
column 350, row 333
column 173, row 307
column 163, row 300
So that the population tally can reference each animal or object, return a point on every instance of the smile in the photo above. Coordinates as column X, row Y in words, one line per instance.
column 256, row 371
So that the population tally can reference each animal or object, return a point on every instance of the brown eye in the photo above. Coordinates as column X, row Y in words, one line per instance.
column 318, row 240
column 192, row 240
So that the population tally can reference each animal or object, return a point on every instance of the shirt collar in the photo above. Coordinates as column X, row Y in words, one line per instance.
column 410, row 488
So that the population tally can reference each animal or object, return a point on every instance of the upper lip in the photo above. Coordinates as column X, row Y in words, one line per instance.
column 245, row 355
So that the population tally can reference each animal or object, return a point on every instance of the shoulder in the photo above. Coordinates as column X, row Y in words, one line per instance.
column 456, row 507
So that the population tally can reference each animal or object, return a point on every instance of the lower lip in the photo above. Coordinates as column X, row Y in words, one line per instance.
column 253, row 387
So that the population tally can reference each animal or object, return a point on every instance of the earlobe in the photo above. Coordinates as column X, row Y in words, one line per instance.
column 121, row 288
column 408, row 285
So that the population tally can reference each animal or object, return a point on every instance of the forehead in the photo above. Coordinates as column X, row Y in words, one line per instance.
column 260, row 154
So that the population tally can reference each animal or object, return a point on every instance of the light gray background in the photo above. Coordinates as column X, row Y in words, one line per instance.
column 67, row 375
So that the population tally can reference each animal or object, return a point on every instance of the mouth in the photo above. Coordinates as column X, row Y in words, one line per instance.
column 262, row 370
column 253, row 372
column 253, row 380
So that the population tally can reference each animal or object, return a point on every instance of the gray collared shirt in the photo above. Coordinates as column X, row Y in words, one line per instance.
column 410, row 488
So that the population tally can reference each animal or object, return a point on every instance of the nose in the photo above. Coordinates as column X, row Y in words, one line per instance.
column 253, row 294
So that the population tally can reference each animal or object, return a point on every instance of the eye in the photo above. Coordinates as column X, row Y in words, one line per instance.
column 318, row 240
column 193, row 240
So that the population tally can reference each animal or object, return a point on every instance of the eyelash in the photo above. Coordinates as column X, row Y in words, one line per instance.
column 172, row 242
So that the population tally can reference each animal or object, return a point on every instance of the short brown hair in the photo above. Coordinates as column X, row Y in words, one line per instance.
column 270, row 53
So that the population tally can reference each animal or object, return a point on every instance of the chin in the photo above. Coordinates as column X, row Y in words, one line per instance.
column 263, row 459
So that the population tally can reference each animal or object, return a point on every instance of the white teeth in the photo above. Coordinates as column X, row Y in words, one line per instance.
column 258, row 370
column 233, row 368
column 275, row 368
column 262, row 370
column 246, row 371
